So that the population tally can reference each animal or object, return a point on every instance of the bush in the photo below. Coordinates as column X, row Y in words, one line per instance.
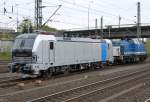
column 148, row 46
column 5, row 56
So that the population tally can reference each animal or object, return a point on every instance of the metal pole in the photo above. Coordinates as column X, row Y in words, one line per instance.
column 109, row 27
column 38, row 14
column 109, row 31
column 88, row 16
column 138, row 20
column 119, row 21
column 17, row 19
column 96, row 26
column 102, row 27
column 28, row 26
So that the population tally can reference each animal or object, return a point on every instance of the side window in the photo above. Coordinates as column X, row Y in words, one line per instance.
column 51, row 45
column 108, row 46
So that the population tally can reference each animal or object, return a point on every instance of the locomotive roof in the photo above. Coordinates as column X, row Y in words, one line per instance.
column 77, row 39
column 54, row 38
column 27, row 36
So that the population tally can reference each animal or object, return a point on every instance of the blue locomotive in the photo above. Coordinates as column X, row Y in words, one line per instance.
column 129, row 51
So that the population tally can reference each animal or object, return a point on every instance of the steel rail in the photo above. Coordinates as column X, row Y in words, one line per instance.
column 148, row 100
column 84, row 86
column 97, row 90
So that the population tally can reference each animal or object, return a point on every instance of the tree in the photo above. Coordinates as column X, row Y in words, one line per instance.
column 48, row 29
column 26, row 26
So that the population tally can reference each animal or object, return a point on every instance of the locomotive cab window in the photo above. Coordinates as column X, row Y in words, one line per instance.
column 108, row 46
column 51, row 45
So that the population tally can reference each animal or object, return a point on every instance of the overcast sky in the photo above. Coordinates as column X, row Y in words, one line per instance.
column 74, row 13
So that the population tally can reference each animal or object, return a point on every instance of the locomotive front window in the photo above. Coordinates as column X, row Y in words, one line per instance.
column 23, row 43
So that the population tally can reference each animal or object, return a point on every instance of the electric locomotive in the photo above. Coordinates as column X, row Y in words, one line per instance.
column 39, row 54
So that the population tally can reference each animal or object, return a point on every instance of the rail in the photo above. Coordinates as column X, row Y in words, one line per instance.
column 148, row 100
column 73, row 90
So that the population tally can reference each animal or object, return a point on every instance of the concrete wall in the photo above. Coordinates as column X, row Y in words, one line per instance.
column 6, row 45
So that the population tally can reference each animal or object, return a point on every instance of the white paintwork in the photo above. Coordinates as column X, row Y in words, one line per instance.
column 40, row 38
column 110, row 50
column 116, row 51
column 67, row 51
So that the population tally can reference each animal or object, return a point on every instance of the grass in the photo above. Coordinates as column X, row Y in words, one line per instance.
column 5, row 56
column 148, row 46
column 5, row 36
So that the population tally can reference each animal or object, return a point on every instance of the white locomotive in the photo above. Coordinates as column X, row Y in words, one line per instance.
column 38, row 54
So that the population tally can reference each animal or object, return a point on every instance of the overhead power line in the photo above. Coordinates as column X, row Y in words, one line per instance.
column 94, row 10
column 69, row 23
column 111, row 4
column 52, row 15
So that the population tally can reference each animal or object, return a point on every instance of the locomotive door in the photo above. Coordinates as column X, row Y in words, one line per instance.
column 51, row 53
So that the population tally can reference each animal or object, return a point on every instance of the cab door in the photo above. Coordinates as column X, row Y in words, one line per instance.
column 51, row 53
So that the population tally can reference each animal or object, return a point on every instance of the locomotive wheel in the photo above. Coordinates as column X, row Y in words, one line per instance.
column 66, row 72
column 124, row 61
column 46, row 74
column 102, row 65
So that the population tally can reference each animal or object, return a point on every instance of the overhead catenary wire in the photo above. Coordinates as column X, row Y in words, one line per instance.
column 107, row 5
column 74, row 6
column 111, row 4
column 78, row 10
column 24, row 15
column 52, row 15
column 83, row 7
column 81, row 10
column 94, row 10
column 70, row 23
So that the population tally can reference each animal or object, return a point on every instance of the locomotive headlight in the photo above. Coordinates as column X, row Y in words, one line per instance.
column 34, row 58
column 27, row 67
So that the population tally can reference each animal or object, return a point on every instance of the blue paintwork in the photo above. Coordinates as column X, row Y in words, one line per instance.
column 104, row 51
column 130, row 47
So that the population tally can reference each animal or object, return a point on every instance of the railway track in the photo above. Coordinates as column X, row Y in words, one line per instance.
column 85, row 92
column 27, row 93
column 4, row 66
column 148, row 100
column 8, row 81
column 13, row 80
column 4, row 61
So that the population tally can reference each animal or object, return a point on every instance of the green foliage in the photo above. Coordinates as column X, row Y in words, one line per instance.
column 48, row 29
column 148, row 46
column 26, row 26
column 5, row 56
column 6, row 36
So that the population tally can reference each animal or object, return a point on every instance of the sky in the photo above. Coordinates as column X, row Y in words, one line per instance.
column 73, row 14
